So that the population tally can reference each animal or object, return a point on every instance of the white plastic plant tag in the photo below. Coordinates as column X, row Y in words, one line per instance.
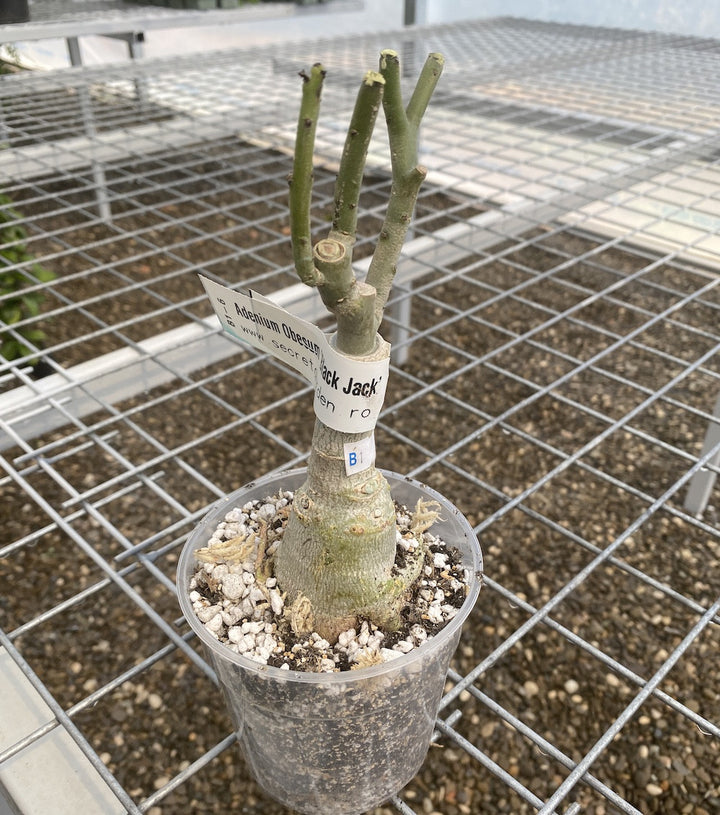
column 359, row 455
column 349, row 392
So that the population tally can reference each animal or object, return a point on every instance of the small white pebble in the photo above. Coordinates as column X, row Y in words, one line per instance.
column 270, row 583
column 531, row 688
column 439, row 560
column 388, row 654
column 419, row 634
column 256, row 657
column 247, row 608
column 347, row 637
column 276, row 602
column 155, row 701
column 571, row 686
column 215, row 624
column 403, row 646
column 266, row 511
column 373, row 646
column 235, row 633
column 231, row 616
column 204, row 614
column 233, row 586
column 434, row 614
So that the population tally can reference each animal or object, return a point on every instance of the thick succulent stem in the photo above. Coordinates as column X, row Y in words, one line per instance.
column 338, row 549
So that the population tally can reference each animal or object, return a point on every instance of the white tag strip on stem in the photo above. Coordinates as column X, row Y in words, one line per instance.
column 349, row 391
column 359, row 455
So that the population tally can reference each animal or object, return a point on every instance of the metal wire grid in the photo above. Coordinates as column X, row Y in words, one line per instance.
column 73, row 18
column 561, row 343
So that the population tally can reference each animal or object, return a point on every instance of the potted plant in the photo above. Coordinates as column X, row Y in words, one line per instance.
column 361, row 575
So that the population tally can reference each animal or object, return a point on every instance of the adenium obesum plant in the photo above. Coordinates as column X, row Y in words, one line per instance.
column 336, row 561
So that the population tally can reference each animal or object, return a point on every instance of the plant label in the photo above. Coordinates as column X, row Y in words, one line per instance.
column 349, row 391
column 359, row 455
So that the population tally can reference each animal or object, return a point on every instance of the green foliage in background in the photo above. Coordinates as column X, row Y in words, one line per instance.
column 16, row 302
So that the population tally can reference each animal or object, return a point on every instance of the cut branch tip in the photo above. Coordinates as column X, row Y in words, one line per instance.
column 373, row 78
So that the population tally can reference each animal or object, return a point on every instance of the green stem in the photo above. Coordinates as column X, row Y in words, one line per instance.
column 407, row 176
column 352, row 163
column 302, row 177
column 424, row 89
column 383, row 265
column 352, row 303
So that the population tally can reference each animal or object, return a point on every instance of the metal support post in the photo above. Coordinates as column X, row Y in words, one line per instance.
column 703, row 481
column 73, row 47
column 136, row 50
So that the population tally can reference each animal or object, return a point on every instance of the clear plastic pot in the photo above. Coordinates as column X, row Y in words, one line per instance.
column 336, row 743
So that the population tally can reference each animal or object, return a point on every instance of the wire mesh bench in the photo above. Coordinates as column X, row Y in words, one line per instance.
column 556, row 371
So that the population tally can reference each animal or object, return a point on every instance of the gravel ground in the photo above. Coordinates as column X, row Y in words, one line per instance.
column 164, row 718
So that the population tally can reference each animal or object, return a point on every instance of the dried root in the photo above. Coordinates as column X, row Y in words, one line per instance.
column 365, row 659
column 239, row 549
column 423, row 517
column 300, row 616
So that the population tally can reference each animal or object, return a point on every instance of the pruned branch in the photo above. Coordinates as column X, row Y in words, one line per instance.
column 301, row 179
column 424, row 89
column 352, row 164
column 358, row 307
column 407, row 175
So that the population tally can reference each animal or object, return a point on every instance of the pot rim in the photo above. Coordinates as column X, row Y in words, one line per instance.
column 221, row 651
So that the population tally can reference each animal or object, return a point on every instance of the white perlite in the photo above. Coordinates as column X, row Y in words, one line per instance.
column 244, row 609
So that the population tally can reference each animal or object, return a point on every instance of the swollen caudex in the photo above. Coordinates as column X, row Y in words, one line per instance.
column 238, row 600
